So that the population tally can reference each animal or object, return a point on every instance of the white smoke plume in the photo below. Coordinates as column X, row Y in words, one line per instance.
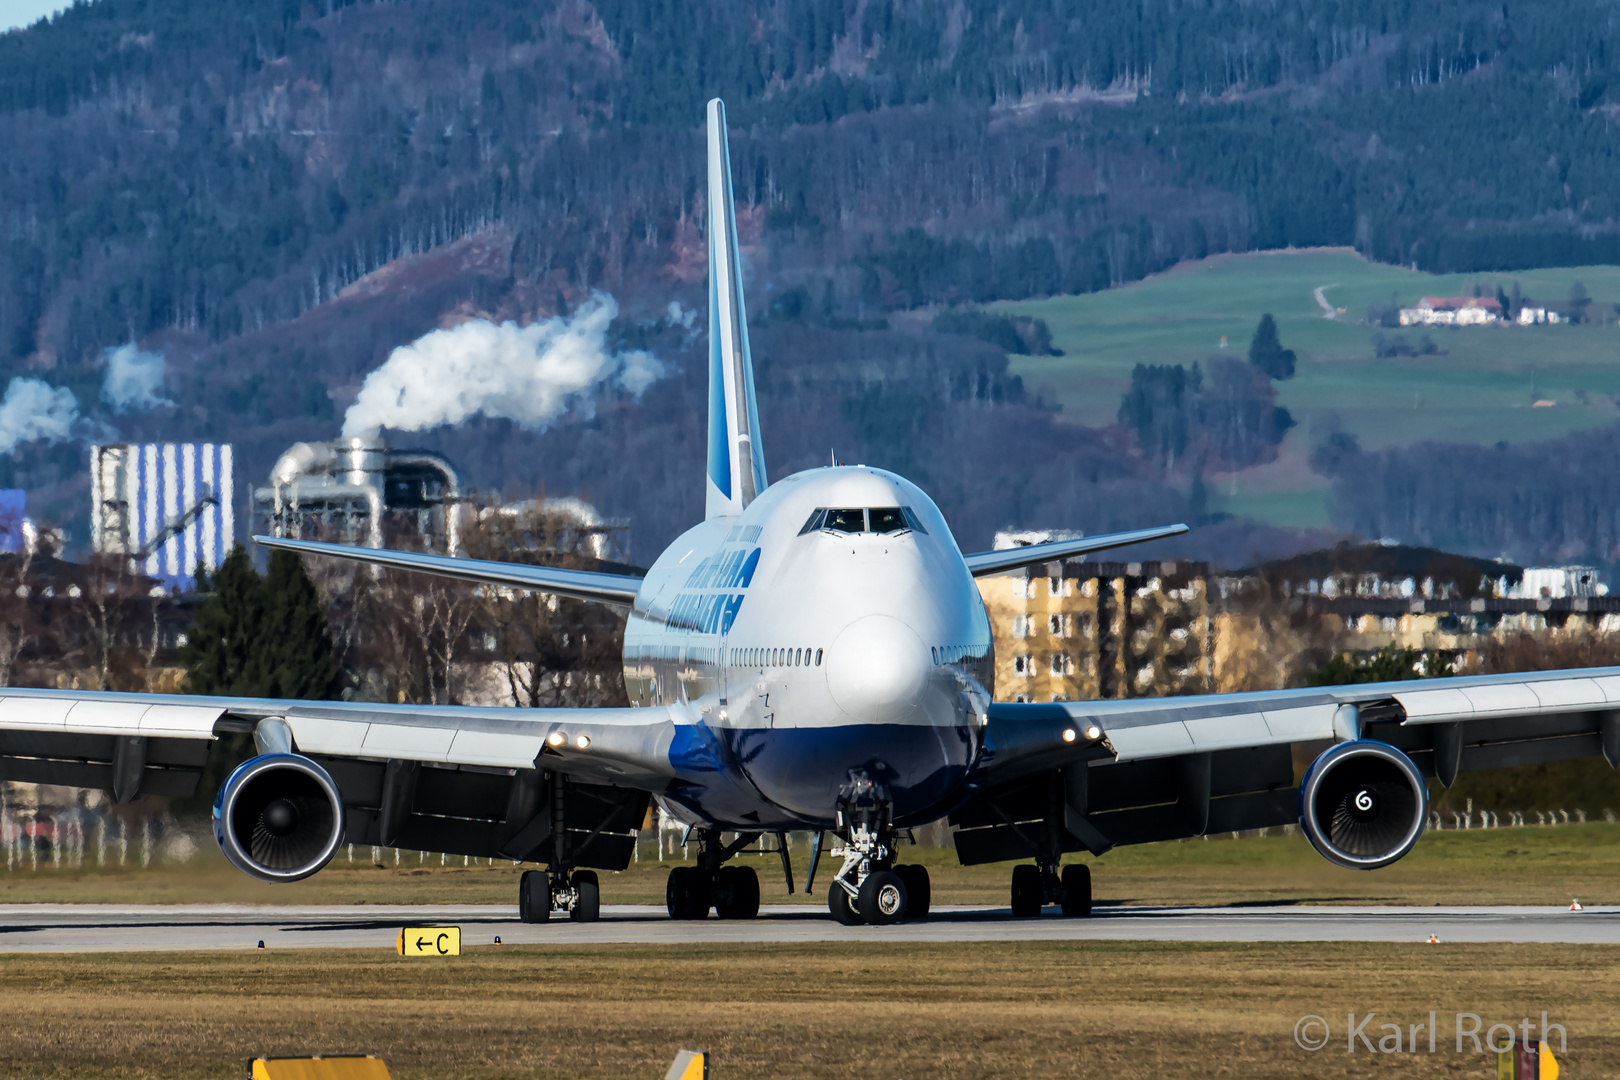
column 530, row 374
column 34, row 410
column 134, row 379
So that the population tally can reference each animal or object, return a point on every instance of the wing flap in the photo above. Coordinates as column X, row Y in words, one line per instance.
column 35, row 713
column 502, row 750
column 408, row 743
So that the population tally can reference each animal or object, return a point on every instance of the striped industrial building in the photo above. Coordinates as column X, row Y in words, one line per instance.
column 167, row 505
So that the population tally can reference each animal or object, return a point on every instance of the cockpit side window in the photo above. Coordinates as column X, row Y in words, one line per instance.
column 845, row 521
column 911, row 520
column 888, row 519
column 814, row 523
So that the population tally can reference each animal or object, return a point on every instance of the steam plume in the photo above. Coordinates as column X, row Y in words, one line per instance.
column 35, row 410
column 134, row 379
column 530, row 374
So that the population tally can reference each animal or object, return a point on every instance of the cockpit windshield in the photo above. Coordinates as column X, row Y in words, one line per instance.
column 845, row 521
column 888, row 519
column 881, row 519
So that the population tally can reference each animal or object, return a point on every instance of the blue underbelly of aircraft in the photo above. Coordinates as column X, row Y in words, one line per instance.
column 802, row 770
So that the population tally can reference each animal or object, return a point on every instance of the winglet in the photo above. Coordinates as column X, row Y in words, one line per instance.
column 736, row 460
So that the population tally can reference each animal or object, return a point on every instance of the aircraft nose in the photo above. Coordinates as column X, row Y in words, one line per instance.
column 877, row 670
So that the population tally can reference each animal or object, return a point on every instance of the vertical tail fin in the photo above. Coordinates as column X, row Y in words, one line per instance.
column 736, row 460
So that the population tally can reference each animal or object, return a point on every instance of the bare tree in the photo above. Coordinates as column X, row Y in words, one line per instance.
column 18, row 622
column 103, row 603
column 551, row 651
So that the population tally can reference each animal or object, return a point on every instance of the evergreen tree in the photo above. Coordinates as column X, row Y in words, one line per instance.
column 255, row 637
column 1266, row 351
column 221, row 654
column 293, row 646
column 1389, row 664
column 260, row 637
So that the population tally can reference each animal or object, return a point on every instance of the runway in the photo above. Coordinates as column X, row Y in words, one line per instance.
column 159, row 928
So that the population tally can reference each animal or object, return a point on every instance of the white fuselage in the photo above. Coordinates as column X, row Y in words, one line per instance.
column 808, row 656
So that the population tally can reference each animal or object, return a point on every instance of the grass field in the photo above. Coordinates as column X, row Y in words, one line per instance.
column 1528, row 865
column 1482, row 390
column 1034, row 1009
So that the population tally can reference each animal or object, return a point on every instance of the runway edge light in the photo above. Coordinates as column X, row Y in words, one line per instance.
column 689, row 1065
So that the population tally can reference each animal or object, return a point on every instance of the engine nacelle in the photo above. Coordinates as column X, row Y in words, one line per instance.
column 279, row 817
column 1363, row 804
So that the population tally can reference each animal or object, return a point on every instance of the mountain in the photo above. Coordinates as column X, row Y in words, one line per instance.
column 274, row 196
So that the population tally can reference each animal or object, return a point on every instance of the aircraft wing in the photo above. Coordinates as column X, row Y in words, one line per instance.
column 460, row 779
column 577, row 584
column 994, row 562
column 1134, row 771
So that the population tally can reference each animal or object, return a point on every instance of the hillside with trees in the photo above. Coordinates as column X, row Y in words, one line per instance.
column 276, row 195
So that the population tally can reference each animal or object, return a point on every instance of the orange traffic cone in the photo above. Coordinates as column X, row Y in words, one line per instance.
column 1433, row 940
column 1575, row 905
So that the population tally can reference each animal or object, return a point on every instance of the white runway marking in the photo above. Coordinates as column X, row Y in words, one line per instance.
column 120, row 928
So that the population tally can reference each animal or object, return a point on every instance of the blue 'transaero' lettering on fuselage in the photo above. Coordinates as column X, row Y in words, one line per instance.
column 713, row 613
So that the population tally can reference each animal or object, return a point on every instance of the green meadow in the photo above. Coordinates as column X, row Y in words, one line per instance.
column 1482, row 387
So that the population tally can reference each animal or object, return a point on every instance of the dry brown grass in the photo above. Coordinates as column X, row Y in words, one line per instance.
column 877, row 1010
column 1491, row 866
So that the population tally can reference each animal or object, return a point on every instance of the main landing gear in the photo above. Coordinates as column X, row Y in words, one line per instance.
column 540, row 893
column 1033, row 887
column 871, row 887
column 732, row 891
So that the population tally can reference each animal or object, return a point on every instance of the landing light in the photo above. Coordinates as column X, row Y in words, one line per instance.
column 1093, row 732
column 583, row 742
column 556, row 738
column 1068, row 734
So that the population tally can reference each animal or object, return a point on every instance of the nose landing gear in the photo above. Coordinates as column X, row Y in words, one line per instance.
column 871, row 887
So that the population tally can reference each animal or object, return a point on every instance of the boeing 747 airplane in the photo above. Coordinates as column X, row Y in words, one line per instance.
column 813, row 655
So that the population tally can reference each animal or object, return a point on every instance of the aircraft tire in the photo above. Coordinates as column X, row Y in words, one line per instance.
column 534, row 896
column 1077, row 891
column 687, row 894
column 1026, row 891
column 842, row 910
column 674, row 892
column 587, row 897
column 882, row 900
column 919, row 891
column 737, row 895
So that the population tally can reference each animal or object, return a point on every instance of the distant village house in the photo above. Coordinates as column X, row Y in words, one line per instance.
column 1453, row 311
column 1470, row 311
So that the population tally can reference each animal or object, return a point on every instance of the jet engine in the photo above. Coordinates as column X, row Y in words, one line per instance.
column 1363, row 804
column 279, row 817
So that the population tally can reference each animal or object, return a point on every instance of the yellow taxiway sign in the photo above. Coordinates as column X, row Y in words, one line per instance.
column 320, row 1067
column 430, row 941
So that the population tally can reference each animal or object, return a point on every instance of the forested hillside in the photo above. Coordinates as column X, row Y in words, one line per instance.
column 274, row 195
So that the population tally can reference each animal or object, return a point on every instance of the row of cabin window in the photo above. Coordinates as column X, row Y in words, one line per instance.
column 1058, row 664
column 775, row 658
column 1056, row 625
column 1025, row 699
column 950, row 654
